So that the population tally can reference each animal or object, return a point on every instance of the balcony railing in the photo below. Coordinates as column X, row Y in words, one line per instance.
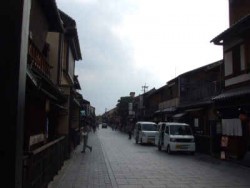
column 42, row 164
column 38, row 60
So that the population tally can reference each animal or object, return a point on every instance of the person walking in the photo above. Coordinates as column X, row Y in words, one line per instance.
column 85, row 132
column 130, row 130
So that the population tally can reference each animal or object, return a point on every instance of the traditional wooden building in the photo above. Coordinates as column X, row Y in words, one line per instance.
column 52, row 109
column 165, row 106
column 233, row 103
column 196, row 90
column 147, row 105
column 170, row 101
column 64, row 52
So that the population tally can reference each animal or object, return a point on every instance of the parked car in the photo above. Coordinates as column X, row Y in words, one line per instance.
column 104, row 125
column 144, row 132
column 174, row 136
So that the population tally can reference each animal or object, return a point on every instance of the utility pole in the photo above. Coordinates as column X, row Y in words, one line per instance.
column 144, row 88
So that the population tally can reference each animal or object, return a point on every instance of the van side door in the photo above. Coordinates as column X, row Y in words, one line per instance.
column 166, row 135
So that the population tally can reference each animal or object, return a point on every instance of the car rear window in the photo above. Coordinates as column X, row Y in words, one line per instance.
column 149, row 127
column 180, row 130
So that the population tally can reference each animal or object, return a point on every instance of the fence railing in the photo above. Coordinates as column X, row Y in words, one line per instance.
column 42, row 164
column 201, row 91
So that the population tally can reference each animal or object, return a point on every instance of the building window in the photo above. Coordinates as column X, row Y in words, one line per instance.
column 243, row 58
column 235, row 61
column 228, row 63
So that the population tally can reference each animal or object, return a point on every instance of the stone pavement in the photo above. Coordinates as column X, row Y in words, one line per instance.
column 137, row 166
column 89, row 169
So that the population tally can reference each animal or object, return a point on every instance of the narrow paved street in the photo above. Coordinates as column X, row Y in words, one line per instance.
column 117, row 161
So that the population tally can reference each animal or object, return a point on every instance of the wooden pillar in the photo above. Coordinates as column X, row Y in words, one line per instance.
column 13, row 50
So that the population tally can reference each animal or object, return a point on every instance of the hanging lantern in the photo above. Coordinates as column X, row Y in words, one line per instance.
column 243, row 117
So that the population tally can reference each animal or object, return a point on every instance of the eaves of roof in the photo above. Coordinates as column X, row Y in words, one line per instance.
column 203, row 68
column 237, row 29
column 76, row 82
column 52, row 15
column 149, row 93
column 45, row 85
column 69, row 25
column 196, row 104
column 84, row 101
column 166, row 110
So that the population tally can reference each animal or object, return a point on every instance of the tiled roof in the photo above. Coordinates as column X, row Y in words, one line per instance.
column 233, row 93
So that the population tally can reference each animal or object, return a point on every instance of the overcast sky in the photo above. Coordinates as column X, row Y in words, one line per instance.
column 127, row 44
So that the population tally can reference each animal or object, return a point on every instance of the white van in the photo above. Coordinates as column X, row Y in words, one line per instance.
column 144, row 132
column 174, row 136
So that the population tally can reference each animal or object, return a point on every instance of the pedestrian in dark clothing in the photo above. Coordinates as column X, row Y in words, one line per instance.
column 85, row 132
column 130, row 130
column 129, row 135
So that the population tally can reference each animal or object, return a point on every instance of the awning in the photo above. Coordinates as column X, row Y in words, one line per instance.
column 234, row 93
column 179, row 115
column 77, row 102
column 31, row 76
column 45, row 85
column 48, row 94
column 157, row 111
column 194, row 109
column 60, row 106
column 38, row 85
column 170, row 109
column 166, row 110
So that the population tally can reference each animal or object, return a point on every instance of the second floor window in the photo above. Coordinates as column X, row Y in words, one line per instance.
column 235, row 61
